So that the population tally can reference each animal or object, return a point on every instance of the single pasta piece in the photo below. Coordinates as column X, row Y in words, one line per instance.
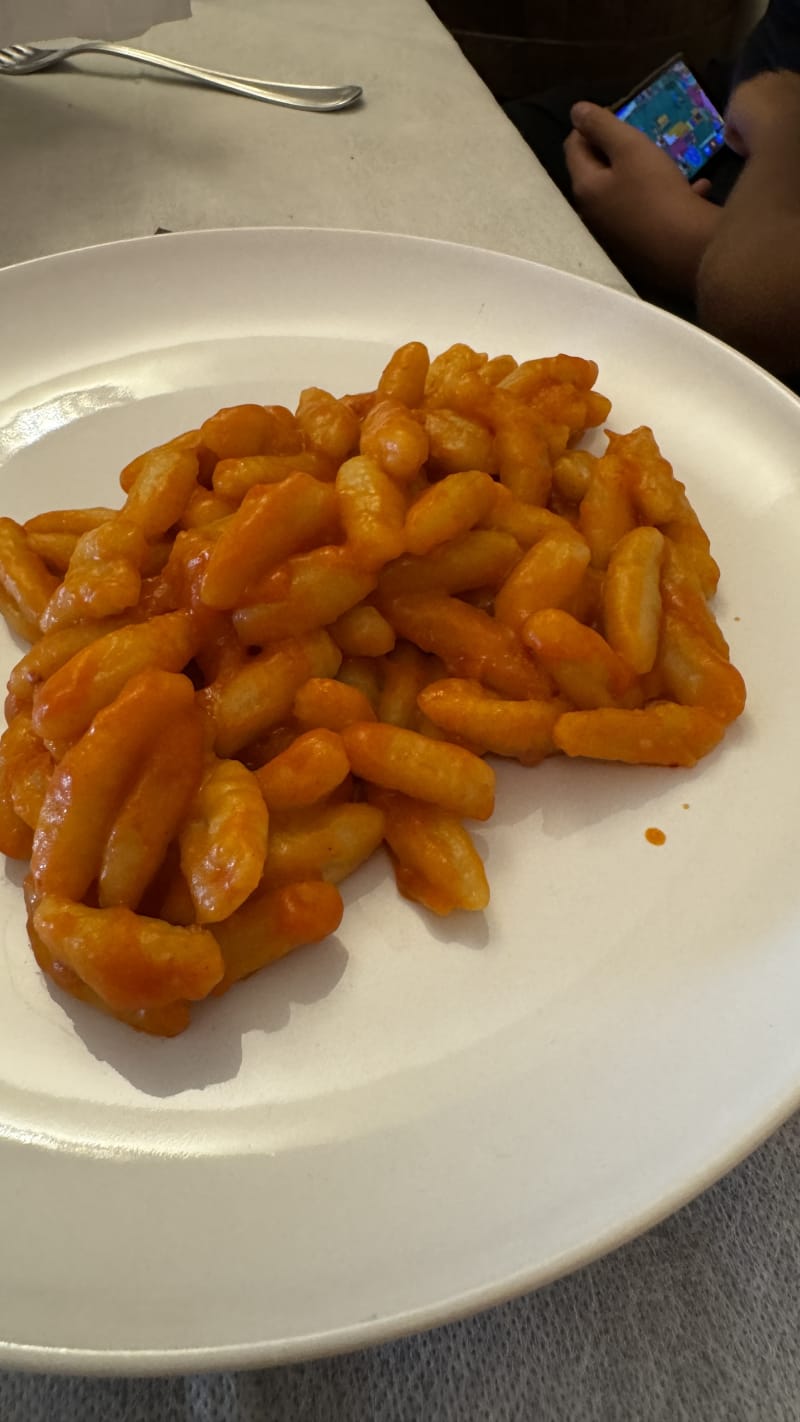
column 660, row 734
column 436, row 771
column 435, row 861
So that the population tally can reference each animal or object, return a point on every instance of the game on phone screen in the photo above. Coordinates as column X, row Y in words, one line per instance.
column 678, row 115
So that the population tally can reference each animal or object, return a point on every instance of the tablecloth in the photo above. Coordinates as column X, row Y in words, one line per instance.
column 25, row 21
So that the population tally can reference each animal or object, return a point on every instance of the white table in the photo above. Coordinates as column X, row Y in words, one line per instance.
column 107, row 150
column 700, row 1319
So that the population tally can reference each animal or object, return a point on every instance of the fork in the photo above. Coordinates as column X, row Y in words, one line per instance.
column 320, row 98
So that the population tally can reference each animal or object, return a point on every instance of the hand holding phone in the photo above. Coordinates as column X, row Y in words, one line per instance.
column 636, row 200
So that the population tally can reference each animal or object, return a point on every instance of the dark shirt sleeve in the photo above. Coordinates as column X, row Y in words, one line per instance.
column 773, row 44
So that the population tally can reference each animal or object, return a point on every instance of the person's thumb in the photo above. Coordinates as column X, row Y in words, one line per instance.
column 701, row 187
column 734, row 139
column 601, row 128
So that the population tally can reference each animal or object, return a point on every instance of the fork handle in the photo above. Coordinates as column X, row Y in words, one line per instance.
column 319, row 98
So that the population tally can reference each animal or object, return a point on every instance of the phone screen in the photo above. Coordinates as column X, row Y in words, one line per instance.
column 678, row 115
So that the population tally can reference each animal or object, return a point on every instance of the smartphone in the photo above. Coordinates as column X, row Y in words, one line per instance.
column 674, row 110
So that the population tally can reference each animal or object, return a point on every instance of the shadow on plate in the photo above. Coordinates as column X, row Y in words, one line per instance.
column 16, row 871
column 210, row 1051
column 466, row 930
column 561, row 797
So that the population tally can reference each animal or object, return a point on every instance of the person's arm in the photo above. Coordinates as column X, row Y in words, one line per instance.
column 653, row 222
column 748, row 282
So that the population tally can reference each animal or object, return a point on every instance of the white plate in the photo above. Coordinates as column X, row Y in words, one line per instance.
column 418, row 1118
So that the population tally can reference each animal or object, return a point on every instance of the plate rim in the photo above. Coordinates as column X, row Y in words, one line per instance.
column 194, row 234
column 313, row 1347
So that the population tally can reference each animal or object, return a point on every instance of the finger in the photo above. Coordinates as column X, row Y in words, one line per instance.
column 734, row 140
column 702, row 187
column 584, row 165
column 602, row 129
